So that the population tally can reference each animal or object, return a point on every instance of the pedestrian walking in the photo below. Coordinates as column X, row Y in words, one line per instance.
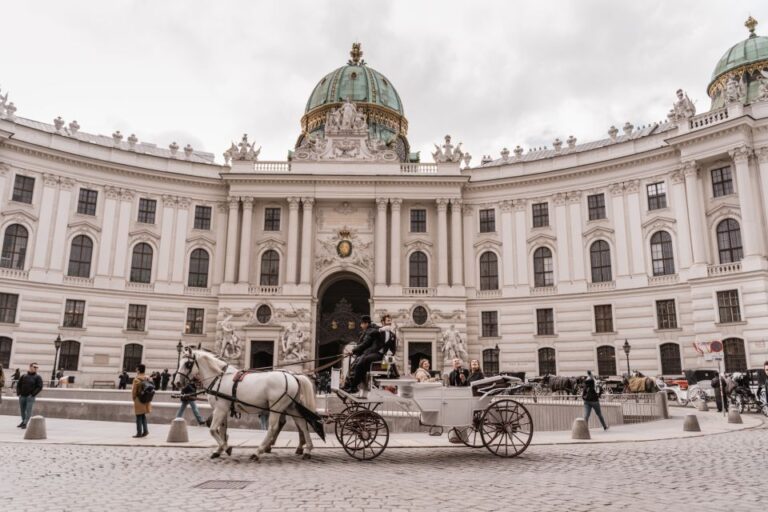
column 720, row 387
column 141, row 405
column 122, row 380
column 164, row 378
column 591, row 399
column 29, row 386
column 189, row 399
column 15, row 378
column 2, row 382
column 156, row 379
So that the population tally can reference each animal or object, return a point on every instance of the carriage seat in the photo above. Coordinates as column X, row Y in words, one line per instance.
column 483, row 386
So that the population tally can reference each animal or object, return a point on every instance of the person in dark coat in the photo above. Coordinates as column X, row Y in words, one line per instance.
column 122, row 380
column 720, row 386
column 15, row 378
column 591, row 399
column 156, row 379
column 164, row 378
column 28, row 387
column 188, row 399
column 368, row 349
column 459, row 376
column 762, row 380
column 475, row 373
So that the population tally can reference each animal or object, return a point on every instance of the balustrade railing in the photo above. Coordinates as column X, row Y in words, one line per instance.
column 274, row 166
column 196, row 290
column 86, row 282
column 12, row 273
column 543, row 290
column 708, row 118
column 418, row 168
column 140, row 287
column 265, row 290
column 487, row 294
column 723, row 268
column 662, row 280
column 599, row 287
column 419, row 292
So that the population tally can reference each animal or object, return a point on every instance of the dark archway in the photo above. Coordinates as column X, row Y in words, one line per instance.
column 343, row 299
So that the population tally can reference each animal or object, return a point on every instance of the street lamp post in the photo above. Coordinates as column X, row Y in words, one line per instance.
column 57, row 344
column 179, row 348
column 627, row 348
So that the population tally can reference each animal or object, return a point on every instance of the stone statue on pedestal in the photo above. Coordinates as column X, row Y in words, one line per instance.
column 453, row 346
column 228, row 343
column 293, row 341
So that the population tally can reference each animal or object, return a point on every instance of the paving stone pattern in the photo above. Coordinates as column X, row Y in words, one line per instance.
column 670, row 475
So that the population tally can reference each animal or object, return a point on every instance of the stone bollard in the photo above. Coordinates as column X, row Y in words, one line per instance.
column 702, row 406
column 691, row 424
column 734, row 416
column 662, row 407
column 178, row 432
column 580, row 429
column 36, row 428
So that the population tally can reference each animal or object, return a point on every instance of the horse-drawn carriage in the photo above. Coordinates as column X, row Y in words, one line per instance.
column 700, row 385
column 745, row 392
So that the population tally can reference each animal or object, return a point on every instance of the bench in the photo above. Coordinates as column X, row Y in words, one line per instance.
column 103, row 384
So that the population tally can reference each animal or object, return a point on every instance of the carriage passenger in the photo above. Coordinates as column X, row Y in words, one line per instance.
column 475, row 373
column 459, row 376
column 422, row 372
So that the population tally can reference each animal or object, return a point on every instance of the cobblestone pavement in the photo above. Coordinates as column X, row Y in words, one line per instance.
column 670, row 475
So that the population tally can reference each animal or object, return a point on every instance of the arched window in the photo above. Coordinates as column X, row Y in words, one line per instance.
column 270, row 268
column 141, row 264
column 547, row 364
column 670, row 359
column 543, row 268
column 662, row 258
column 600, row 258
column 491, row 361
column 729, row 241
column 69, row 355
column 198, row 269
column 489, row 271
column 5, row 352
column 735, row 355
column 80, row 256
column 132, row 354
column 606, row 360
column 14, row 247
column 417, row 270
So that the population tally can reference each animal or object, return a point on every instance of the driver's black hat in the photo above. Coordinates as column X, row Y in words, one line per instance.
column 365, row 319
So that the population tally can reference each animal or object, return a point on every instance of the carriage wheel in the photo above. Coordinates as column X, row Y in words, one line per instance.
column 695, row 393
column 470, row 435
column 343, row 415
column 506, row 428
column 364, row 435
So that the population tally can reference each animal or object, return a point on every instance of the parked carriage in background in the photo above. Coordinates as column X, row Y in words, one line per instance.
column 700, row 385
column 745, row 392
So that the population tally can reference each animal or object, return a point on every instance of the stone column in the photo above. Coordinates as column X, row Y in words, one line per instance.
column 507, row 246
column 47, row 207
column 107, row 230
column 123, row 226
column 166, row 239
column 762, row 159
column 442, row 242
column 380, row 244
column 221, row 242
column 576, row 231
column 180, row 243
column 232, row 221
column 59, row 243
column 293, row 240
column 394, row 249
column 521, row 244
column 620, row 229
column 306, row 240
column 561, row 230
column 3, row 182
column 456, row 245
column 634, row 220
column 469, row 241
column 681, row 214
column 695, row 213
column 751, row 235
column 245, row 240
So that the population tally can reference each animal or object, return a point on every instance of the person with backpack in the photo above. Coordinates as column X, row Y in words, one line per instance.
column 142, row 392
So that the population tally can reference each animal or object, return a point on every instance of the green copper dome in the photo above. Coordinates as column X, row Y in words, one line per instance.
column 752, row 50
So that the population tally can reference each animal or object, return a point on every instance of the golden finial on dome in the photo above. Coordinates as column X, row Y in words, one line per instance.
column 357, row 55
column 751, row 23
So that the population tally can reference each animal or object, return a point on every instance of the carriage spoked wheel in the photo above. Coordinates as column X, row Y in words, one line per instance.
column 470, row 435
column 506, row 428
column 695, row 394
column 343, row 415
column 364, row 435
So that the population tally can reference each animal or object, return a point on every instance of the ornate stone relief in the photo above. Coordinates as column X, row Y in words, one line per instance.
column 683, row 108
column 345, row 248
column 448, row 153
column 244, row 150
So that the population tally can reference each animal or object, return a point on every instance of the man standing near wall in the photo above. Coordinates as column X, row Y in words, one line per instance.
column 28, row 387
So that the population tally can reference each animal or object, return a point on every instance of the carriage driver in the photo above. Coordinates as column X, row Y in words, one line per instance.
column 371, row 347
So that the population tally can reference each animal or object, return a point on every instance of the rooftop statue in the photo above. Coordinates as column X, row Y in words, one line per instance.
column 762, row 90
column 346, row 119
column 735, row 91
column 683, row 108
column 242, row 151
column 448, row 153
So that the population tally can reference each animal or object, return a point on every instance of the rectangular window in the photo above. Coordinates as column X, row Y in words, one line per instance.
column 203, row 217
column 728, row 304
column 271, row 219
column 603, row 318
column 8, row 304
column 137, row 317
column 722, row 182
column 23, row 188
column 418, row 221
column 74, row 313
column 147, row 208
column 666, row 314
column 545, row 322
column 86, row 203
column 540, row 215
column 488, row 220
column 490, row 324
column 195, row 318
column 657, row 195
column 596, row 205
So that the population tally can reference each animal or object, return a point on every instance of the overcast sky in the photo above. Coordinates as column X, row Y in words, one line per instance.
column 491, row 74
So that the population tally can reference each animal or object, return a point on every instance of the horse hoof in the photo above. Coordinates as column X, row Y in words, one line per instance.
column 306, row 456
column 254, row 457
column 229, row 450
column 268, row 449
column 300, row 451
column 215, row 455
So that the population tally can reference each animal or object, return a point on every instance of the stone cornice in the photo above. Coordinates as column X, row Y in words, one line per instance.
column 429, row 180
column 738, row 124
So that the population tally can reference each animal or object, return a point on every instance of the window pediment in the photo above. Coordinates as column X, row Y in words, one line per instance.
column 659, row 222
column 418, row 244
column 144, row 235
column 598, row 231
column 540, row 238
column 270, row 242
column 201, row 239
column 19, row 215
column 488, row 243
column 725, row 209
column 84, row 225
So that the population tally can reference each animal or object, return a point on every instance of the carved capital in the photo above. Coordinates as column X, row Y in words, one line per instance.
column 677, row 177
column 632, row 186
column 467, row 210
column 127, row 194
column 762, row 155
column 50, row 180
column 560, row 199
column 66, row 183
column 112, row 192
column 741, row 154
column 234, row 203
column 689, row 169
column 574, row 197
column 506, row 206
column 293, row 203
column 168, row 200
column 442, row 204
column 520, row 205
column 222, row 206
column 183, row 202
column 381, row 203
column 308, row 202
column 616, row 189
column 247, row 202
column 396, row 203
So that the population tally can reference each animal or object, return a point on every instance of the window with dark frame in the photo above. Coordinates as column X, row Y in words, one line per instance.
column 137, row 318
column 6, row 344
column 86, row 201
column 728, row 305
column 547, row 361
column 418, row 270
column 735, row 357
column 540, row 215
column 270, row 268
column 604, row 318
column 596, row 206
column 543, row 267
column 657, row 195
column 8, row 304
column 74, row 313
column 132, row 354
column 69, row 354
column 271, row 219
column 600, row 260
column 490, row 362
column 489, row 271
column 141, row 263
column 722, row 182
column 662, row 258
column 203, row 217
column 490, row 324
column 14, row 247
column 80, row 257
column 488, row 220
column 545, row 322
column 198, row 269
column 418, row 220
column 23, row 189
column 729, row 241
column 195, row 317
column 670, row 359
column 606, row 361
column 147, row 209
column 666, row 314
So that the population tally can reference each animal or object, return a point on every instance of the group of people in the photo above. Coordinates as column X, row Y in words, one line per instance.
column 459, row 376
column 374, row 343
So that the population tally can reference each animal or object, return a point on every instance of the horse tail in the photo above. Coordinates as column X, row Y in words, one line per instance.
column 306, row 393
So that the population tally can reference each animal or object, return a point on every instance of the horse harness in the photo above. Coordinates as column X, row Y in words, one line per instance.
column 234, row 400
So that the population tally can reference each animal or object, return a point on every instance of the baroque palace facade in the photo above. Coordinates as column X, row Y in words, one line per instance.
column 541, row 261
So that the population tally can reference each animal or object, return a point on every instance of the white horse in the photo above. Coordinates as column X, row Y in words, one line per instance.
column 275, row 391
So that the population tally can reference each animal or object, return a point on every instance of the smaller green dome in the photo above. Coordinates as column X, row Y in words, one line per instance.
column 751, row 50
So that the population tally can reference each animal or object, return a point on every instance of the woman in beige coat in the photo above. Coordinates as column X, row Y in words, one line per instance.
column 140, row 409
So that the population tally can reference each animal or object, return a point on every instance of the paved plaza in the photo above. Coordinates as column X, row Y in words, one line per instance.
column 671, row 474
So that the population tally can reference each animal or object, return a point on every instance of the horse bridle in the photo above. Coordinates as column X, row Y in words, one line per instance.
column 189, row 365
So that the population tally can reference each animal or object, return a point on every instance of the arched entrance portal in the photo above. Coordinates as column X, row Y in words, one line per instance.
column 343, row 299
